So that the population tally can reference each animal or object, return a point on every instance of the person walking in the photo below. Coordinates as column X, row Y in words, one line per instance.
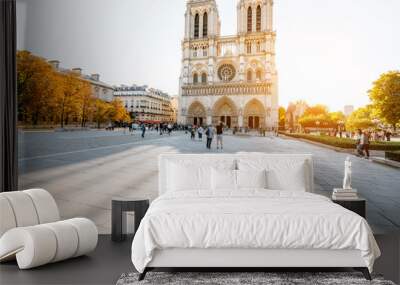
column 365, row 141
column 169, row 129
column 210, row 136
column 359, row 146
column 143, row 130
column 388, row 135
column 200, row 132
column 220, row 133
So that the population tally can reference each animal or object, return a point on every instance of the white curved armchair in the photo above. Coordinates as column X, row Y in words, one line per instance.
column 31, row 230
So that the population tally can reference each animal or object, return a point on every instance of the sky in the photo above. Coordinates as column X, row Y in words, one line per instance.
column 328, row 52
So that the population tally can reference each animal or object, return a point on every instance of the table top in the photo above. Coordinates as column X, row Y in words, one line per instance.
column 129, row 199
column 358, row 199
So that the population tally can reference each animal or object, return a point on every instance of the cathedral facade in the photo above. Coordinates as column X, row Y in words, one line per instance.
column 229, row 79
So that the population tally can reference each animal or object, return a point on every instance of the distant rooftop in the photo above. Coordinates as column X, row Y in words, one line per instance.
column 142, row 88
column 93, row 78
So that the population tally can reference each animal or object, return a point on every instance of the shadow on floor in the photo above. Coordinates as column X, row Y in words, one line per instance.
column 106, row 264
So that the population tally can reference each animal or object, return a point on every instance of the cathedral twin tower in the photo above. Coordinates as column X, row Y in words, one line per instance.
column 229, row 79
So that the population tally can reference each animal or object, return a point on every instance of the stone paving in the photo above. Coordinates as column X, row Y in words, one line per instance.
column 84, row 170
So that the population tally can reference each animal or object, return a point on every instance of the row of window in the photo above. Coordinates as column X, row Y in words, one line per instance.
column 249, row 47
column 196, row 51
column 204, row 51
column 250, row 19
column 197, row 25
column 203, row 78
column 250, row 77
column 143, row 104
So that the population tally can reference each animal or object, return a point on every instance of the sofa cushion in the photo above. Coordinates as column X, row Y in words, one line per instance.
column 7, row 216
column 23, row 207
column 41, row 244
column 46, row 207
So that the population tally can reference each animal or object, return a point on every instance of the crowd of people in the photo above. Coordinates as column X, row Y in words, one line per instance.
column 210, row 133
column 376, row 135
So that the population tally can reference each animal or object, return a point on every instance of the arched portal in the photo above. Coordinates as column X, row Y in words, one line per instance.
column 225, row 111
column 196, row 114
column 254, row 115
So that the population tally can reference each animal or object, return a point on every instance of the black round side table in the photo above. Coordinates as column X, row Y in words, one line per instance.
column 121, row 205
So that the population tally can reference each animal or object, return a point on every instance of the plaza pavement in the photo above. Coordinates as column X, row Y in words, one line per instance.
column 84, row 170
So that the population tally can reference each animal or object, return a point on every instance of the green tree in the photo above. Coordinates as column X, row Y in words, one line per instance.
column 385, row 97
column 360, row 119
column 337, row 117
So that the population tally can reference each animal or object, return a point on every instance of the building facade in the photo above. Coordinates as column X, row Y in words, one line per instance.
column 100, row 90
column 293, row 114
column 146, row 105
column 348, row 110
column 229, row 79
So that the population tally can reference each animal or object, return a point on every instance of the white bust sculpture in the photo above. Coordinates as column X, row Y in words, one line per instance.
column 347, row 174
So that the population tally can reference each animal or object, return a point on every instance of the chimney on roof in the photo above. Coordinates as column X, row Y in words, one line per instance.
column 55, row 63
column 95, row 77
column 77, row 70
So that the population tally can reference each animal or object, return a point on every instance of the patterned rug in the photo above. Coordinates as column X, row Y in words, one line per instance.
column 251, row 278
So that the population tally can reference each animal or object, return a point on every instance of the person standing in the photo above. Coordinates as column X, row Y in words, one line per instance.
column 220, row 133
column 210, row 135
column 200, row 133
column 193, row 133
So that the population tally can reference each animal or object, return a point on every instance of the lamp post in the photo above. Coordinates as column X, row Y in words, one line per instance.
column 341, row 127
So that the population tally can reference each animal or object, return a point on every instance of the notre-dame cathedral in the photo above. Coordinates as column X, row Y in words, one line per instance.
column 229, row 79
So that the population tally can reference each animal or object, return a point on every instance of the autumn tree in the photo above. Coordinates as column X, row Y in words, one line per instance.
column 49, row 95
column 315, row 116
column 102, row 112
column 118, row 112
column 38, row 88
column 282, row 118
column 87, row 104
column 76, row 93
column 317, row 110
column 385, row 97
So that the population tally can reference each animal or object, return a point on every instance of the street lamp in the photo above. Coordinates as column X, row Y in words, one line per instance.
column 341, row 127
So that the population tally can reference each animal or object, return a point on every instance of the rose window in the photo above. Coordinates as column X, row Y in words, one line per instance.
column 226, row 72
